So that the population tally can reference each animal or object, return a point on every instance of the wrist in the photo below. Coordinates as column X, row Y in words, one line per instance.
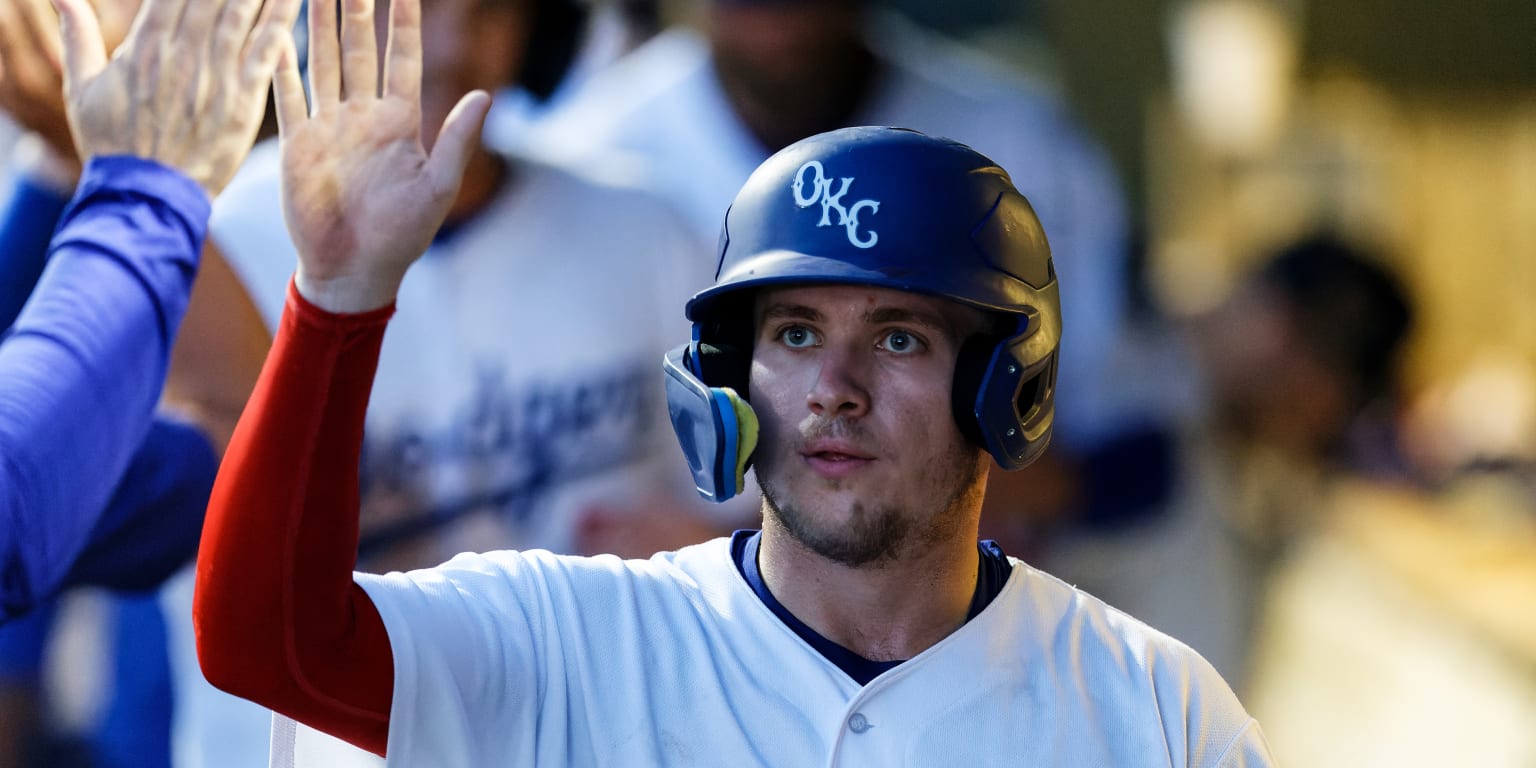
column 347, row 294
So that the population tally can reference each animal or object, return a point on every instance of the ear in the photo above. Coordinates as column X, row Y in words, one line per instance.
column 1001, row 404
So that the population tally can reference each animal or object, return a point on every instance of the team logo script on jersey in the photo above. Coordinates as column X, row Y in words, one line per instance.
column 820, row 187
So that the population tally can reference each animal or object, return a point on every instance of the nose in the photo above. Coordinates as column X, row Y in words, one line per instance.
column 839, row 388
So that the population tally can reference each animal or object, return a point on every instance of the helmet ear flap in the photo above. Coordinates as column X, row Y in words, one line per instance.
column 970, row 370
column 715, row 426
column 999, row 403
column 722, row 365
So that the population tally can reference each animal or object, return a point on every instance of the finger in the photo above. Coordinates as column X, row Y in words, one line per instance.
column 85, row 54
column 360, row 50
column 324, row 71
column 41, row 25
column 272, row 42
column 157, row 20
column 279, row 15
column 402, row 63
column 456, row 142
column 18, row 63
column 198, row 24
column 10, row 29
column 288, row 89
column 232, row 31
column 266, row 40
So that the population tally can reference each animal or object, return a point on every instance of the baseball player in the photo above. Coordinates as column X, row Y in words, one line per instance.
column 884, row 326
column 84, row 361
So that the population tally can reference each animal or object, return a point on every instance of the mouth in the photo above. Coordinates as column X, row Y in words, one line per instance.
column 835, row 461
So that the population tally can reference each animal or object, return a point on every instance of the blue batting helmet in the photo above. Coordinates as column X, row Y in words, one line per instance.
column 885, row 207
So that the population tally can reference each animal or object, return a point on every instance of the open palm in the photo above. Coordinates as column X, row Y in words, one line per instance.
column 361, row 195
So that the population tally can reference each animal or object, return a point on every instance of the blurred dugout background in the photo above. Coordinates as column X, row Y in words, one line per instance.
column 1400, row 631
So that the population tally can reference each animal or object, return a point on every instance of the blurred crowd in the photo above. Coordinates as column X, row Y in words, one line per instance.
column 1193, row 454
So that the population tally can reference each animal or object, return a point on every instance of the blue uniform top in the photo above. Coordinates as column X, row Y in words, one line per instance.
column 81, row 370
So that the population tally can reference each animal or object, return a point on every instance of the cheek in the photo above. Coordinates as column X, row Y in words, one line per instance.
column 922, row 415
column 769, row 392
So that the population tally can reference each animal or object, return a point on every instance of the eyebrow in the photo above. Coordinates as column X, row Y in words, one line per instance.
column 877, row 316
column 782, row 311
column 885, row 315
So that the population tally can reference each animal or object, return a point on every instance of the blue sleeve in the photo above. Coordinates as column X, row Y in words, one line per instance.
column 23, row 643
column 151, row 526
column 29, row 222
column 82, row 367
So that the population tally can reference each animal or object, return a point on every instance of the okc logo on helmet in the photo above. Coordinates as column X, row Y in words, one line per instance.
column 821, row 190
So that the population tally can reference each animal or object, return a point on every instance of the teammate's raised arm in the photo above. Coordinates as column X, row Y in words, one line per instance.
column 82, row 367
column 278, row 618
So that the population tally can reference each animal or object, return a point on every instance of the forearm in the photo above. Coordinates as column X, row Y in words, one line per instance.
column 83, row 365
column 33, row 211
column 151, row 526
column 279, row 619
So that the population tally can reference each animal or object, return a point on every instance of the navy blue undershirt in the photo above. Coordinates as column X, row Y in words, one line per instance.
column 991, row 574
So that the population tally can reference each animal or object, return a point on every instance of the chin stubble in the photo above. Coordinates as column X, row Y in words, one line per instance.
column 874, row 535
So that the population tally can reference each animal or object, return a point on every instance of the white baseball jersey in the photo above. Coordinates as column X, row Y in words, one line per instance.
column 528, row 658
column 661, row 115
column 519, row 382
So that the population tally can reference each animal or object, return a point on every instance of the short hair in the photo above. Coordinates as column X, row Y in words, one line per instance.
column 557, row 29
column 1348, row 308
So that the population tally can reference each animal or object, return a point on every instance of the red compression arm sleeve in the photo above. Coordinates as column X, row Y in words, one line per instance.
column 278, row 617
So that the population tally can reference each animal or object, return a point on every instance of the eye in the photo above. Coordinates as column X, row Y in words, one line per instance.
column 901, row 342
column 798, row 337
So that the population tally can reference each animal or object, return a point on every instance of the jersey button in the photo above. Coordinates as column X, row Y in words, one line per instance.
column 859, row 723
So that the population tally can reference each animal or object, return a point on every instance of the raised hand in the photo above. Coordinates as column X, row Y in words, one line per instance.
column 361, row 195
column 32, row 67
column 187, row 88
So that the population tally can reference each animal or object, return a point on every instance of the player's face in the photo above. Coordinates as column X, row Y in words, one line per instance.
column 467, row 45
column 859, row 458
column 786, row 41
column 778, row 51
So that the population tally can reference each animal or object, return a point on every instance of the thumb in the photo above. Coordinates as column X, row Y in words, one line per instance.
column 85, row 53
column 460, row 134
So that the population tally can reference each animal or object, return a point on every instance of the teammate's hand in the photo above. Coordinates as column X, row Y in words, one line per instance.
column 361, row 195
column 32, row 73
column 187, row 88
column 32, row 68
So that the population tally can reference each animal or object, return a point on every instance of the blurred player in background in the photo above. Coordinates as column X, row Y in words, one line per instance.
column 1297, row 371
